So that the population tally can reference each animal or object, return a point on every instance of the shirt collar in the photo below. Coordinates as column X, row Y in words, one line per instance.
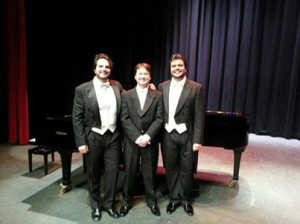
column 141, row 90
column 99, row 83
column 178, row 83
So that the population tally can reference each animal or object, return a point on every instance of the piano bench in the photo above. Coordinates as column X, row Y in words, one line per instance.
column 38, row 150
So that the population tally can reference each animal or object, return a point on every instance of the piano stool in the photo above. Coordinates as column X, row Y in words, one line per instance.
column 38, row 150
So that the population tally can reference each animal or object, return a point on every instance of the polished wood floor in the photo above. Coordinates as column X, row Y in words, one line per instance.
column 267, row 191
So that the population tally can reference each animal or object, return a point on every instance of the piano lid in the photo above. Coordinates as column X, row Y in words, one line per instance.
column 222, row 129
column 226, row 129
column 57, row 132
column 224, row 113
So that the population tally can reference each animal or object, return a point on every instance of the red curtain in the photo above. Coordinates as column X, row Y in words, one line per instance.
column 18, row 124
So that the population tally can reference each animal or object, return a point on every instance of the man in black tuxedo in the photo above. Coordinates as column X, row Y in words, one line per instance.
column 96, row 109
column 183, row 133
column 142, row 119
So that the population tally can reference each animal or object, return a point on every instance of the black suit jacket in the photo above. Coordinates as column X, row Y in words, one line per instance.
column 190, row 110
column 137, row 122
column 86, row 114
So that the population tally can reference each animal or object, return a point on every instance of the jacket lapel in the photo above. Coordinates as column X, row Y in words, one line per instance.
column 91, row 95
column 148, row 101
column 184, row 95
column 136, row 102
column 166, row 91
column 118, row 96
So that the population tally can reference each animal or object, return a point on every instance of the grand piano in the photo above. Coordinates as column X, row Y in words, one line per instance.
column 57, row 133
column 228, row 130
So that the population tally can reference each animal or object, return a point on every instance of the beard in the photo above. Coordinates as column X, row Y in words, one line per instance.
column 103, row 77
column 178, row 77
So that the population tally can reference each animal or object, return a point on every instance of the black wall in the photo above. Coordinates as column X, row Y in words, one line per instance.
column 63, row 39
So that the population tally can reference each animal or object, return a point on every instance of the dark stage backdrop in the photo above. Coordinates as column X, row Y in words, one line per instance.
column 245, row 53
column 63, row 39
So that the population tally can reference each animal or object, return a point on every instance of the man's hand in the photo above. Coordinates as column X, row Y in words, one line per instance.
column 142, row 141
column 196, row 147
column 84, row 149
column 152, row 86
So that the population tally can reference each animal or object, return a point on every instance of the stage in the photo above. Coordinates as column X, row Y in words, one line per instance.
column 266, row 192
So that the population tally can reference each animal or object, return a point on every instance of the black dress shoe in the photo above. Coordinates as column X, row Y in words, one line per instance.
column 172, row 206
column 112, row 213
column 188, row 208
column 154, row 209
column 124, row 210
column 96, row 215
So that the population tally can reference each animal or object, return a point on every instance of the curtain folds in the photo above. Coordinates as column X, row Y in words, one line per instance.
column 246, row 54
column 18, row 124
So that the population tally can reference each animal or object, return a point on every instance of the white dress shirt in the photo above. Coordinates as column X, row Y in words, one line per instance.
column 142, row 94
column 174, row 95
column 107, row 106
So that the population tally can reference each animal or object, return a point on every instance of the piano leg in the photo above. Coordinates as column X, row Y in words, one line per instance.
column 66, row 160
column 236, row 165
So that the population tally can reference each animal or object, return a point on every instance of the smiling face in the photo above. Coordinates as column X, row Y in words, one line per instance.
column 178, row 69
column 102, row 69
column 142, row 75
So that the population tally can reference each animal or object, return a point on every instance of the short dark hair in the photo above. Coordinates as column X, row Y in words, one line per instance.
column 104, row 56
column 178, row 56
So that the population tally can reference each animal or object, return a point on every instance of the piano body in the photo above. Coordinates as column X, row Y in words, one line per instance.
column 228, row 130
column 57, row 133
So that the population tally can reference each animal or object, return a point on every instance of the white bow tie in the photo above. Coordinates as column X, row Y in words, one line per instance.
column 175, row 84
column 104, row 84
